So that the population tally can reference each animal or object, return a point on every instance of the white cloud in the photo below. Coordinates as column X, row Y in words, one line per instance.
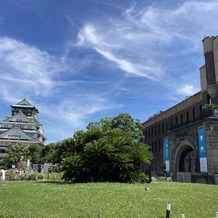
column 187, row 90
column 73, row 113
column 113, row 49
column 43, row 79
column 146, row 40
column 26, row 67
column 125, row 65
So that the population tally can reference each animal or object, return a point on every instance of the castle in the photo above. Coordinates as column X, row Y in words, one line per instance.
column 22, row 126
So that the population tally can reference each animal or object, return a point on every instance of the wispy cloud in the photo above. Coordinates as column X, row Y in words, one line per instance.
column 27, row 67
column 73, row 113
column 47, row 81
column 123, row 64
column 187, row 90
column 145, row 41
column 148, row 47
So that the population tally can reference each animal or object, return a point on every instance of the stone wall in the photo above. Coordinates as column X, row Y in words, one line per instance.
column 187, row 136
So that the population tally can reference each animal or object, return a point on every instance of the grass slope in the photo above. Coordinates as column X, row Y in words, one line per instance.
column 29, row 199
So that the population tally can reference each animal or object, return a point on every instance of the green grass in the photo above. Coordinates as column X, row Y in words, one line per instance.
column 28, row 199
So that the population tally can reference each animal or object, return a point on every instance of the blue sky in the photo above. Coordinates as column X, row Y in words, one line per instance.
column 79, row 61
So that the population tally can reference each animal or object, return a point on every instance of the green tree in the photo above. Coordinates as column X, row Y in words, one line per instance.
column 110, row 150
column 125, row 122
column 73, row 168
column 208, row 110
column 16, row 153
column 48, row 152
column 64, row 149
column 97, row 154
column 35, row 153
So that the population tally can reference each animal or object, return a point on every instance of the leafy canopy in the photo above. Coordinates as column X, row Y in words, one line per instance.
column 109, row 150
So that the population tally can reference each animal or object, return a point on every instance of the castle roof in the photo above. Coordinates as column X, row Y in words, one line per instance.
column 24, row 104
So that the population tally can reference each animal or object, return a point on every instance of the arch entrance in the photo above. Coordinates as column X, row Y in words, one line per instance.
column 187, row 162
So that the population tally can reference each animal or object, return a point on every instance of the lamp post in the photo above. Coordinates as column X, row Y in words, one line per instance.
column 168, row 210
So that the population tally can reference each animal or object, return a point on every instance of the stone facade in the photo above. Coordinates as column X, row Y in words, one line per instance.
column 180, row 125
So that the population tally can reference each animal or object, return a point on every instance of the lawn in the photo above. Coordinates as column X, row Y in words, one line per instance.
column 28, row 199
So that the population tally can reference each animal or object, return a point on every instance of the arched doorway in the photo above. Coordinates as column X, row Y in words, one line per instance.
column 188, row 160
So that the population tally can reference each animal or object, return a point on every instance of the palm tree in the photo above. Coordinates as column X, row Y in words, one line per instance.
column 16, row 153
column 73, row 168
column 64, row 149
column 140, row 153
column 98, row 154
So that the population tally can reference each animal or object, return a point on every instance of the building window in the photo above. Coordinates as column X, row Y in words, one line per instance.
column 176, row 120
column 181, row 118
column 162, row 127
column 2, row 151
column 155, row 130
column 208, row 99
column 194, row 113
column 171, row 122
column 149, row 133
column 152, row 132
column 159, row 129
column 201, row 110
column 187, row 116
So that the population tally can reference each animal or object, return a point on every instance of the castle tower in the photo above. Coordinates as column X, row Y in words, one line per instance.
column 22, row 126
column 28, row 109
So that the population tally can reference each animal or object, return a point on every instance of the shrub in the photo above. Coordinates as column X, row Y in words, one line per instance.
column 10, row 175
column 53, row 176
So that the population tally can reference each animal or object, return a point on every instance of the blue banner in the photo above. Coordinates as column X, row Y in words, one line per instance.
column 166, row 149
column 202, row 149
column 202, row 142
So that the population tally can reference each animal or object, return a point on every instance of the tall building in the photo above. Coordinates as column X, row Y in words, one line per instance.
column 184, row 138
column 21, row 126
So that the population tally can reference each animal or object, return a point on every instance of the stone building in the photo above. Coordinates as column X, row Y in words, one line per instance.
column 184, row 138
column 21, row 126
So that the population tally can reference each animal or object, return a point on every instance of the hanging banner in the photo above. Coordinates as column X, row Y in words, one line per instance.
column 202, row 149
column 166, row 154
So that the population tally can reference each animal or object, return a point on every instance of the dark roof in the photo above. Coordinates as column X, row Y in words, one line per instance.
column 24, row 104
